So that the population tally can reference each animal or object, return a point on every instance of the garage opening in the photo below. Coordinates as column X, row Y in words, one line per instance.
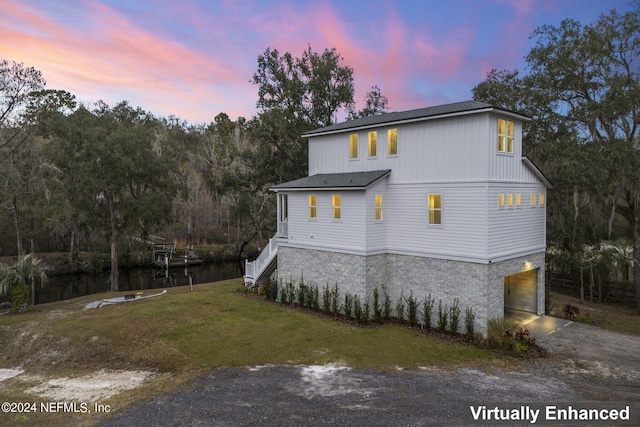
column 520, row 291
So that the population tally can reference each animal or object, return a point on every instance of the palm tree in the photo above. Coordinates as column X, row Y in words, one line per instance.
column 14, row 278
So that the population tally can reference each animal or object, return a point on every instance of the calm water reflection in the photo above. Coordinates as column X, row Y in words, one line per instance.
column 69, row 286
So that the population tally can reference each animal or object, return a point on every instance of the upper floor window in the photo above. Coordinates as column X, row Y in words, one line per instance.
column 378, row 208
column 392, row 142
column 501, row 200
column 541, row 199
column 505, row 136
column 313, row 206
column 534, row 199
column 336, row 204
column 373, row 144
column 518, row 200
column 353, row 146
column 435, row 208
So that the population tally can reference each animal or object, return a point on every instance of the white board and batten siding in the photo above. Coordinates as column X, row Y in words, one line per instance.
column 450, row 149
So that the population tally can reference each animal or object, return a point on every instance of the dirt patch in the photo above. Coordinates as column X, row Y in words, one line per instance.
column 93, row 387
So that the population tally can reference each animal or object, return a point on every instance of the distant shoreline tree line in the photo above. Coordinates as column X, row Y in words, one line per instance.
column 99, row 178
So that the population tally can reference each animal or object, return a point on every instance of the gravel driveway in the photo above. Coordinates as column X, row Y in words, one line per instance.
column 586, row 365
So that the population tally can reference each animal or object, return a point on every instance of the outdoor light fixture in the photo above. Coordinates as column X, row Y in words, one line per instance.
column 527, row 265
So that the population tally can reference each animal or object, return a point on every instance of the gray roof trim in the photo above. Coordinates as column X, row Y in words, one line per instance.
column 429, row 113
column 334, row 181
column 537, row 172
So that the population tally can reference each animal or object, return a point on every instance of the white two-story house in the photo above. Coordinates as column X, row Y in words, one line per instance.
column 437, row 201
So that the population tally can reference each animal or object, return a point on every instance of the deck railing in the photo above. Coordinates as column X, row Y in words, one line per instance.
column 253, row 269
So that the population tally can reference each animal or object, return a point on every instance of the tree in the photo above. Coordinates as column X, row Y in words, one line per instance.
column 17, row 85
column 296, row 95
column 583, row 91
column 374, row 103
column 115, row 170
column 14, row 278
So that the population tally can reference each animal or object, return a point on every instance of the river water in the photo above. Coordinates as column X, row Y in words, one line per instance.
column 67, row 286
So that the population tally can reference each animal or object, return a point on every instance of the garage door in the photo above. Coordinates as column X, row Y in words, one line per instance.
column 520, row 291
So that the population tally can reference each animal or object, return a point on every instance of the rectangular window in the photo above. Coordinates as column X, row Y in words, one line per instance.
column 373, row 144
column 378, row 209
column 501, row 200
column 505, row 136
column 336, row 204
column 510, row 200
column 541, row 199
column 518, row 200
column 435, row 208
column 534, row 201
column 392, row 142
column 313, row 203
column 353, row 146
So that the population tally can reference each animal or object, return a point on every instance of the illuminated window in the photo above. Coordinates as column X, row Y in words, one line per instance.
column 518, row 199
column 373, row 144
column 353, row 146
column 435, row 208
column 505, row 136
column 378, row 210
column 510, row 200
column 541, row 199
column 392, row 142
column 534, row 201
column 313, row 210
column 336, row 204
column 501, row 200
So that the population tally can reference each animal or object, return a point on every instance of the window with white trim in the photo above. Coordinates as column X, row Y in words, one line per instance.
column 353, row 146
column 373, row 144
column 336, row 205
column 392, row 142
column 434, row 208
column 378, row 207
column 313, row 206
column 506, row 131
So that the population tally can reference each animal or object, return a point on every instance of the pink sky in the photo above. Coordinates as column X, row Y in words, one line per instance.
column 194, row 59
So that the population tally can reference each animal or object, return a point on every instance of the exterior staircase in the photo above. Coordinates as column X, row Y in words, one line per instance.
column 259, row 270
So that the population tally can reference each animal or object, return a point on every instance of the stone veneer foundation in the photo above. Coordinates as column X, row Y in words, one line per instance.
column 475, row 285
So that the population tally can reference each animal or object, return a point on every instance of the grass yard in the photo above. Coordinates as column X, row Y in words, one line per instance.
column 183, row 334
column 613, row 317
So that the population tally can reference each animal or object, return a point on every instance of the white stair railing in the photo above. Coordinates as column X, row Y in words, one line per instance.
column 253, row 269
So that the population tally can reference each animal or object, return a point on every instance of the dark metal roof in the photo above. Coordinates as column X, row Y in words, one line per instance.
column 421, row 113
column 348, row 180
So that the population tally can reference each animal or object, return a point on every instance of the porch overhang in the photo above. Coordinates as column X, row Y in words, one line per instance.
column 333, row 181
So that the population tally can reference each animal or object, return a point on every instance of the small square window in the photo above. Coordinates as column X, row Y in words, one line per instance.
column 353, row 146
column 392, row 142
column 373, row 144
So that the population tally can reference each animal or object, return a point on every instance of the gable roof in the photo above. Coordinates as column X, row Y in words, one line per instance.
column 458, row 108
column 325, row 181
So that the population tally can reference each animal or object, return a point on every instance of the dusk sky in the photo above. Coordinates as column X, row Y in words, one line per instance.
column 194, row 58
